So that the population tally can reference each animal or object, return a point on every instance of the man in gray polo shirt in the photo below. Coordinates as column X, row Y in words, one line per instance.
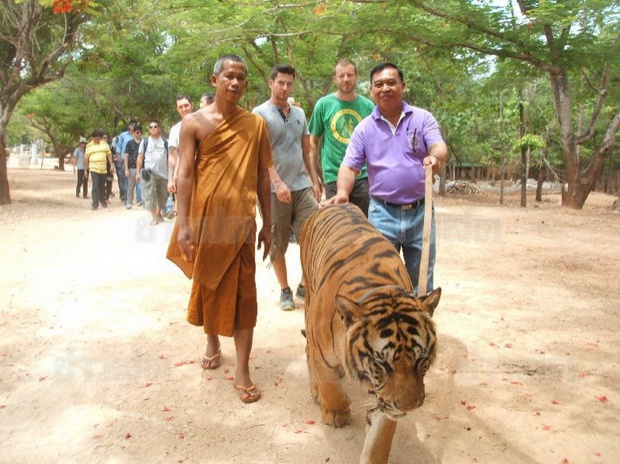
column 295, row 186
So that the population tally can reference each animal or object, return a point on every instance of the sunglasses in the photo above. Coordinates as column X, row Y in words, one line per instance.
column 153, row 127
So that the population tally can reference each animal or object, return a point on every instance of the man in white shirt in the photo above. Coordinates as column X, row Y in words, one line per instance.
column 152, row 170
column 184, row 106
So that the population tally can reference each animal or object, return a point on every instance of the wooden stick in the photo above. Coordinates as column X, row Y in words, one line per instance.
column 426, row 233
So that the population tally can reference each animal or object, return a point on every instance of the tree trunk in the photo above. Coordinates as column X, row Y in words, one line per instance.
column 442, row 180
column 59, row 150
column 5, row 194
column 539, row 185
column 575, row 196
column 523, row 154
column 502, row 174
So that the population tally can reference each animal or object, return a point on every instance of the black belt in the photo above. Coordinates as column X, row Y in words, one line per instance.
column 413, row 205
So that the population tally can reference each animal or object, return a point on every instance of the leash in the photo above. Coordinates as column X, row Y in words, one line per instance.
column 426, row 233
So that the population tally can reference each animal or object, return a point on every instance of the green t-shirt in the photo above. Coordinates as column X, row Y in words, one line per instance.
column 334, row 120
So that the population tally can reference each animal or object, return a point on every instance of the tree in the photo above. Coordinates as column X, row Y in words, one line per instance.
column 35, row 48
column 565, row 40
column 52, row 110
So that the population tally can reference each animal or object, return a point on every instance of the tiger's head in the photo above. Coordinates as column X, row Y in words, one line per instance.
column 390, row 344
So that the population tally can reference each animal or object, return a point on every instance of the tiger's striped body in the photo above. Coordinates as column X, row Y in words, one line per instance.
column 362, row 319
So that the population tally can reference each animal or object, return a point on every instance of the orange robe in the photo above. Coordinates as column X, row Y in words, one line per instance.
column 222, row 220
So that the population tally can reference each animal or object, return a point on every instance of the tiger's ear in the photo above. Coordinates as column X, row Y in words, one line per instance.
column 431, row 300
column 348, row 309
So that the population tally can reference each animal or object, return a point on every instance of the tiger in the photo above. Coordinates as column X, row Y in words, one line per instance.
column 362, row 320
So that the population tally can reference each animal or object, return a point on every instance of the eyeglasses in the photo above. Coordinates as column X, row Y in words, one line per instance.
column 153, row 127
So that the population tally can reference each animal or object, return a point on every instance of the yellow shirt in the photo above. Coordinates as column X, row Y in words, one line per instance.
column 96, row 154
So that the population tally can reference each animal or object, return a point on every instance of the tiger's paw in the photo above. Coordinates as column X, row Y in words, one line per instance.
column 336, row 418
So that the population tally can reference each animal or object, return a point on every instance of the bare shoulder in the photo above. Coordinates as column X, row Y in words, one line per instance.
column 202, row 122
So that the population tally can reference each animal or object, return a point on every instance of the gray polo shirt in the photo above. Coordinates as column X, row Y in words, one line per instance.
column 285, row 135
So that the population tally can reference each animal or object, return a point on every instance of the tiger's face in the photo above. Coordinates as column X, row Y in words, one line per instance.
column 390, row 344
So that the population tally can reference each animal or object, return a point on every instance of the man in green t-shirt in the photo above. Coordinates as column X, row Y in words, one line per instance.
column 333, row 120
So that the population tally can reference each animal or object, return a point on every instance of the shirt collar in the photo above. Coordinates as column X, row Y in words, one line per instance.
column 407, row 109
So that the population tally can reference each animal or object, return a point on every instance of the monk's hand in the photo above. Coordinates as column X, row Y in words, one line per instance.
column 264, row 239
column 185, row 240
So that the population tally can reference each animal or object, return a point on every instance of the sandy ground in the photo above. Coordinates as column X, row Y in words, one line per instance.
column 98, row 364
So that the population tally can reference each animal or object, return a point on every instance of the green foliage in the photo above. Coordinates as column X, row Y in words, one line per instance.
column 466, row 61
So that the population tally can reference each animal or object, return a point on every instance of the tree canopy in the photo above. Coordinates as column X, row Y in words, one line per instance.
column 473, row 63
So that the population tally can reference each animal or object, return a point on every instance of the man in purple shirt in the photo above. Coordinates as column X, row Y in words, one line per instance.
column 396, row 142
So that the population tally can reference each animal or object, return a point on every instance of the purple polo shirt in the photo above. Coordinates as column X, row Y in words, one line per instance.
column 394, row 161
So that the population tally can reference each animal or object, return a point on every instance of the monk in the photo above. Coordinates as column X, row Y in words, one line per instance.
column 224, row 160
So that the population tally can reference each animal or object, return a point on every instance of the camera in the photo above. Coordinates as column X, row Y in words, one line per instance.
column 146, row 174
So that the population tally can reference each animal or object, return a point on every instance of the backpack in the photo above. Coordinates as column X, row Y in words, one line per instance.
column 146, row 144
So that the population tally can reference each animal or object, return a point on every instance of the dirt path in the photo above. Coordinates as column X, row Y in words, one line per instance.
column 99, row 365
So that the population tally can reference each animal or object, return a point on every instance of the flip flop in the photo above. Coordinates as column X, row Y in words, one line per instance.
column 212, row 362
column 245, row 394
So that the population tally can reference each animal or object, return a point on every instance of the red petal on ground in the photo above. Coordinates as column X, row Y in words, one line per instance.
column 602, row 399
column 166, row 409
column 128, row 436
column 310, row 421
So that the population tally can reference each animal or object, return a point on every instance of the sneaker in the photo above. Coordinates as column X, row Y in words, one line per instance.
column 286, row 300
column 301, row 292
column 140, row 203
column 127, row 206
column 171, row 214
